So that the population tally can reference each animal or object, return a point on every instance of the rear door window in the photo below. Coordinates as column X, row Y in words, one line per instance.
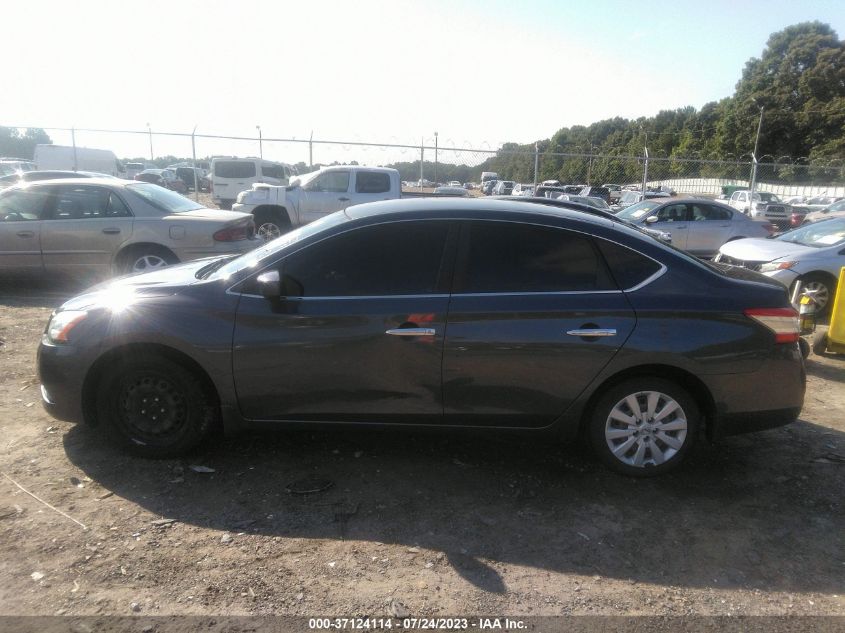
column 85, row 202
column 234, row 169
column 508, row 257
column 372, row 182
column 273, row 171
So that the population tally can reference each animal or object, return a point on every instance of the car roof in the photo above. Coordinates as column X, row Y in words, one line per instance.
column 458, row 205
column 107, row 181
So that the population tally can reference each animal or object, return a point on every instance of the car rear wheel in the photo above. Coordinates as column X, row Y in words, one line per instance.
column 269, row 225
column 154, row 407
column 148, row 259
column 644, row 426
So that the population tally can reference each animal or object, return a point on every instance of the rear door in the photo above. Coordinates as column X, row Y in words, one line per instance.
column 535, row 315
column 709, row 228
column 358, row 336
column 371, row 186
column 84, row 228
column 325, row 194
column 21, row 211
column 230, row 177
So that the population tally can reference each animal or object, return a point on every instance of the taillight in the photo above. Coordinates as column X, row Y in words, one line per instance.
column 235, row 232
column 782, row 321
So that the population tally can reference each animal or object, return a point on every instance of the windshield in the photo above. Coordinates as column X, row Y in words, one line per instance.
column 766, row 197
column 253, row 258
column 817, row 235
column 639, row 210
column 163, row 199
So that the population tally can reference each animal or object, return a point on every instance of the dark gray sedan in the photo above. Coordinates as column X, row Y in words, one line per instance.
column 447, row 313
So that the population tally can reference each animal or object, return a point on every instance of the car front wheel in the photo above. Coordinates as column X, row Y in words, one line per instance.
column 644, row 426
column 154, row 407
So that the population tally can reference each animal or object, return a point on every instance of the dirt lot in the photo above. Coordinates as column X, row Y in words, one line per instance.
column 441, row 525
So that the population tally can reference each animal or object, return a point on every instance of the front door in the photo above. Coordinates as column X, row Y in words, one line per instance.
column 21, row 211
column 84, row 228
column 325, row 194
column 535, row 316
column 358, row 334
column 672, row 218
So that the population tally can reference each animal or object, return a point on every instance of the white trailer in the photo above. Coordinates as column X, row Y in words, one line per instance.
column 102, row 161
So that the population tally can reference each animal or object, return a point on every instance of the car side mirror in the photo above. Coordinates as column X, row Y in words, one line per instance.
column 651, row 219
column 269, row 284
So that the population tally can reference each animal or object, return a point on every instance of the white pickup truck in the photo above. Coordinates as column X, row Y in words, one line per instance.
column 764, row 205
column 277, row 209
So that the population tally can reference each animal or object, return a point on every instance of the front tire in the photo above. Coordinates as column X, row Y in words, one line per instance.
column 825, row 288
column 155, row 408
column 644, row 426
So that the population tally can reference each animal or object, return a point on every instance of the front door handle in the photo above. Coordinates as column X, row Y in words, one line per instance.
column 411, row 331
column 590, row 332
column 111, row 231
column 26, row 234
column 344, row 199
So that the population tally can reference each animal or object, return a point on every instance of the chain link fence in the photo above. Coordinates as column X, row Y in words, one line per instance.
column 429, row 160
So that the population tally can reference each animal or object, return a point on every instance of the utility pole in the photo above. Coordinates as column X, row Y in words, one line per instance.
column 311, row 150
column 194, row 155
column 260, row 143
column 754, row 153
column 590, row 165
column 422, row 157
column 73, row 140
column 150, row 132
column 536, row 163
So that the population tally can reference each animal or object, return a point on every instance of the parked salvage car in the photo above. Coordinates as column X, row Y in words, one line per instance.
column 163, row 178
column 812, row 254
column 106, row 225
column 35, row 176
column 448, row 190
column 835, row 210
column 698, row 226
column 559, row 323
column 503, row 188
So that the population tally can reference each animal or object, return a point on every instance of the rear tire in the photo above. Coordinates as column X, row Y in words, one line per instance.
column 155, row 408
column 146, row 259
column 644, row 426
column 820, row 344
column 271, row 224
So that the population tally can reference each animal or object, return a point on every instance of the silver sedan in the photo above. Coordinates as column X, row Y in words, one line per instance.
column 106, row 226
column 697, row 226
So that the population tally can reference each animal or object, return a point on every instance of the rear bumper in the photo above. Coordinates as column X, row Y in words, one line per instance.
column 217, row 249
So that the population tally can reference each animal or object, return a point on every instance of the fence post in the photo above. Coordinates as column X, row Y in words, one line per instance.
column 311, row 150
column 435, row 159
column 645, row 170
column 753, row 177
column 194, row 154
column 73, row 140
column 536, row 163
column 422, row 156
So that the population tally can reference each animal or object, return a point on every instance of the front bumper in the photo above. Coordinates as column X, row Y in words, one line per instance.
column 61, row 370
column 786, row 276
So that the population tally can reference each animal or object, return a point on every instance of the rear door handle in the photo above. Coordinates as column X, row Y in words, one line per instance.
column 411, row 331
column 344, row 199
column 590, row 332
column 111, row 231
column 26, row 234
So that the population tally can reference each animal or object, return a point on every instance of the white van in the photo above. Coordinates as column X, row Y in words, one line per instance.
column 102, row 161
column 230, row 176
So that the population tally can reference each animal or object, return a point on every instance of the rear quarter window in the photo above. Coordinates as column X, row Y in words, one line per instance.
column 628, row 267
column 372, row 182
column 234, row 169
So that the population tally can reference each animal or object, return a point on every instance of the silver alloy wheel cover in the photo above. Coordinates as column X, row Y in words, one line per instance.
column 645, row 428
column 148, row 262
column 821, row 293
column 268, row 231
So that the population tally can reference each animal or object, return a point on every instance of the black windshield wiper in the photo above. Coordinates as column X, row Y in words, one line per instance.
column 206, row 270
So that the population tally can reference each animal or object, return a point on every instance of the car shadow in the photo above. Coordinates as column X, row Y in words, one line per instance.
column 832, row 367
column 761, row 511
column 38, row 291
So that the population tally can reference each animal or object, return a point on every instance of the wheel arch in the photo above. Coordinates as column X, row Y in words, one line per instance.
column 127, row 250
column 689, row 381
column 128, row 352
column 273, row 209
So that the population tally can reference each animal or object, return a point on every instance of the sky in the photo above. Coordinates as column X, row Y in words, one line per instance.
column 479, row 73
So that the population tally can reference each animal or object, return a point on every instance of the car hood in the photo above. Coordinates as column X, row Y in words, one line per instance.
column 217, row 215
column 123, row 290
column 763, row 250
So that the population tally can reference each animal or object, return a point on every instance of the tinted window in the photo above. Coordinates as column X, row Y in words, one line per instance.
column 26, row 204
column 629, row 268
column 234, row 169
column 333, row 181
column 402, row 258
column 511, row 257
column 273, row 171
column 707, row 212
column 673, row 213
column 372, row 182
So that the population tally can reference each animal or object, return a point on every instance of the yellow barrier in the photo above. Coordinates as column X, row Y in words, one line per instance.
column 836, row 330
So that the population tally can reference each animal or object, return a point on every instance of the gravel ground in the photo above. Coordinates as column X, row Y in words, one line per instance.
column 427, row 524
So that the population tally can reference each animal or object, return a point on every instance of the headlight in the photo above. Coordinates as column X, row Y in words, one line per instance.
column 61, row 323
column 772, row 266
